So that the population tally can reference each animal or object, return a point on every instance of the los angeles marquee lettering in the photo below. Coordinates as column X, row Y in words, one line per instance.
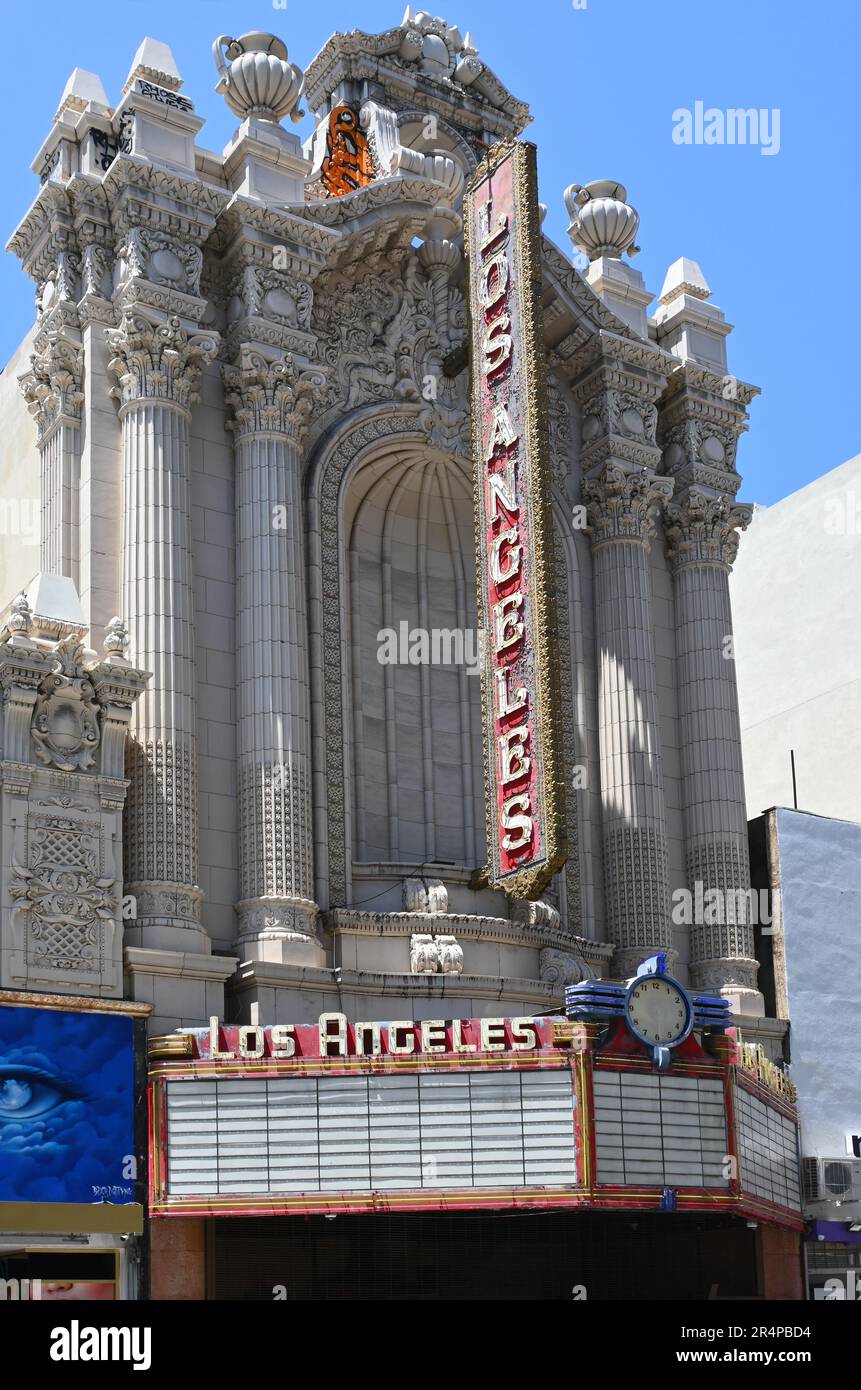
column 335, row 1036
column 522, row 776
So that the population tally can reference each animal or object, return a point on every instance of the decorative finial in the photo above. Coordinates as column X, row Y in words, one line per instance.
column 603, row 223
column 20, row 622
column 684, row 277
column 258, row 80
column 116, row 642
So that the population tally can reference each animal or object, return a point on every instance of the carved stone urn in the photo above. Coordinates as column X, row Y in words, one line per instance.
column 257, row 80
column 603, row 223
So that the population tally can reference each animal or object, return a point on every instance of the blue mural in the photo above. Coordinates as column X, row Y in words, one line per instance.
column 66, row 1106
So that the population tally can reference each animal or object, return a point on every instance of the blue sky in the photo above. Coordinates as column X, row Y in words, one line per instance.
column 775, row 234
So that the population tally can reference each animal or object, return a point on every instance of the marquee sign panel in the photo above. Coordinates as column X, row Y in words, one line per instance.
column 370, row 1134
column 524, row 777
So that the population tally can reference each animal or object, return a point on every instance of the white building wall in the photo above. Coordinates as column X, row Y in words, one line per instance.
column 820, row 882
column 795, row 590
column 19, row 479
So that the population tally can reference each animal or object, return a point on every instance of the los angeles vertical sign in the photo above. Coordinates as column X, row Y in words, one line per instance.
column 524, row 777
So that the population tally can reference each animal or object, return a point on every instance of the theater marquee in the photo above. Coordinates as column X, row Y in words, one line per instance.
column 524, row 777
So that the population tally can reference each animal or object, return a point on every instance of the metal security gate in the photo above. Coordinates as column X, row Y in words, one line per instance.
column 503, row 1256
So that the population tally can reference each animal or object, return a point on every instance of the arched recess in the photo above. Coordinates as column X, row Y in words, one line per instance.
column 369, row 482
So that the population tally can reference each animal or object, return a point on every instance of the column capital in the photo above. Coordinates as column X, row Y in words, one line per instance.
column 53, row 386
column 704, row 530
column 158, row 360
column 621, row 505
column 271, row 396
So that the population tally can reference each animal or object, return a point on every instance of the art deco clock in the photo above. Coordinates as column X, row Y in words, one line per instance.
column 655, row 1008
column 658, row 1011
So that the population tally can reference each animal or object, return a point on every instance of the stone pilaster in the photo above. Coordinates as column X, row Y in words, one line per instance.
column 620, row 508
column 272, row 401
column 158, row 364
column 701, row 419
column 53, row 391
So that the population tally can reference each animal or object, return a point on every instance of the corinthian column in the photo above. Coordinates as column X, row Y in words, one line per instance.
column 53, row 391
column 158, row 365
column 702, row 542
column 702, row 416
column 620, row 507
column 272, row 401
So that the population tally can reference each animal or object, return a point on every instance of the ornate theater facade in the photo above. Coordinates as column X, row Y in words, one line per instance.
column 378, row 665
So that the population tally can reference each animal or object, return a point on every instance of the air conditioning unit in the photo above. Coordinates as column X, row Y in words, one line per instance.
column 832, row 1179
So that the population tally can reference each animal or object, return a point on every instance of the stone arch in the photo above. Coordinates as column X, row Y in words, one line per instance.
column 452, row 141
column 369, row 434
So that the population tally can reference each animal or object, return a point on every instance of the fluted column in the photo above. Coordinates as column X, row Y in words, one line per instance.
column 158, row 366
column 278, row 918
column 53, row 391
column 620, row 508
column 702, row 542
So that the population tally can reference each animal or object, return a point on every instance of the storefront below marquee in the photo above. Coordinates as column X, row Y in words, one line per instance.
column 517, row 1256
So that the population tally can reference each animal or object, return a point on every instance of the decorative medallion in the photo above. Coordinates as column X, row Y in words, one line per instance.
column 65, row 725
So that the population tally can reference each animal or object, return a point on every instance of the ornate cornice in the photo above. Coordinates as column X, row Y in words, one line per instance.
column 271, row 397
column 463, row 88
column 468, row 926
column 703, row 530
column 53, row 386
column 158, row 361
column 590, row 315
column 621, row 506
column 132, row 171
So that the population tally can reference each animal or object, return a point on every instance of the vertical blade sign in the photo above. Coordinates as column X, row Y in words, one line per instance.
column 524, row 783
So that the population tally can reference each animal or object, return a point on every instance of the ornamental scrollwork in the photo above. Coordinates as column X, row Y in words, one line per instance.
column 379, row 331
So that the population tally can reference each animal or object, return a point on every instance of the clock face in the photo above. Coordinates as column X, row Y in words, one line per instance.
column 657, row 1010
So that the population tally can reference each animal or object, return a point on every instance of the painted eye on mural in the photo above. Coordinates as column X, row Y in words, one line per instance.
column 26, row 1092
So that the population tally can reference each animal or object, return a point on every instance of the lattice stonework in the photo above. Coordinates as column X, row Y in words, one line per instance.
column 278, row 857
column 161, row 812
column 64, row 900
